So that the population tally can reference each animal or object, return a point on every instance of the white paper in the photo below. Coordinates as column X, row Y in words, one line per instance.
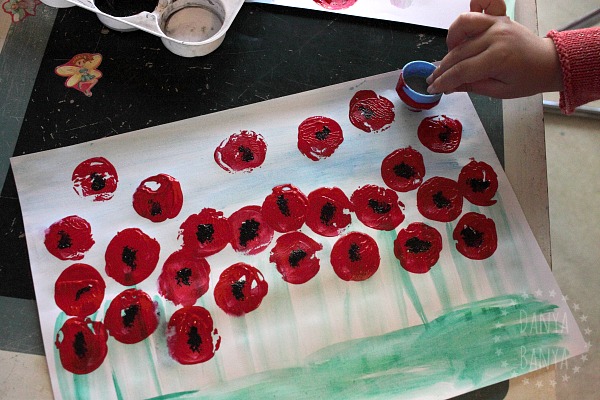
column 288, row 347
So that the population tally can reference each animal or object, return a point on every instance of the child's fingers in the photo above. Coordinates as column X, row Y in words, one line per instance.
column 465, row 72
column 490, row 7
column 465, row 50
column 467, row 26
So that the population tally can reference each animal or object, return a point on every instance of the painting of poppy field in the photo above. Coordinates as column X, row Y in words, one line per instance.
column 327, row 244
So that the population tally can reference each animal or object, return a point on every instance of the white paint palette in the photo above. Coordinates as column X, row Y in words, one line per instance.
column 188, row 28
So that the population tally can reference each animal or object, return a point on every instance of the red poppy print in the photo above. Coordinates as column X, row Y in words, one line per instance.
column 131, row 317
column 69, row 239
column 81, row 345
column 335, row 4
column 440, row 199
column 96, row 178
column 184, row 278
column 440, row 133
column 250, row 233
column 206, row 233
column 240, row 289
column 370, row 112
column 355, row 257
column 79, row 290
column 158, row 198
column 377, row 207
column 403, row 169
column 478, row 182
column 191, row 336
column 319, row 137
column 328, row 211
column 418, row 247
column 243, row 151
column 131, row 256
column 294, row 255
column 475, row 236
column 285, row 208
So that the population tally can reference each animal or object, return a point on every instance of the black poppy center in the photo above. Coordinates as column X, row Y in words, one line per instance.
column 404, row 170
column 446, row 134
column 283, row 205
column 366, row 112
column 354, row 252
column 205, row 232
column 379, row 207
column 129, row 257
column 323, row 134
column 296, row 256
column 79, row 345
column 478, row 185
column 472, row 237
column 130, row 314
column 155, row 208
column 183, row 277
column 416, row 245
column 327, row 213
column 64, row 240
column 237, row 289
column 247, row 154
column 441, row 201
column 194, row 339
column 98, row 182
column 248, row 231
column 82, row 291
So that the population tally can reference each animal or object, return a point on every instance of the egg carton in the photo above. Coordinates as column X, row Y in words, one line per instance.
column 188, row 28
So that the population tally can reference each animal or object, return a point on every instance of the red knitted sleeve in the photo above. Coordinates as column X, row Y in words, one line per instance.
column 579, row 54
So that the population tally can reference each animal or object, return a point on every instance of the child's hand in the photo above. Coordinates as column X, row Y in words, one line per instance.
column 497, row 57
column 490, row 7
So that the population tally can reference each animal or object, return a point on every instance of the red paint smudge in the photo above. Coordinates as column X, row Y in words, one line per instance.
column 319, row 137
column 478, row 182
column 191, row 336
column 131, row 256
column 184, row 278
column 403, row 169
column 96, row 178
column 79, row 290
column 440, row 133
column 475, row 236
column 158, row 198
column 69, row 238
column 240, row 289
column 131, row 317
column 242, row 151
column 81, row 345
column 370, row 112
column 335, row 4
column 250, row 233
column 294, row 255
column 440, row 199
column 206, row 233
column 377, row 207
column 418, row 247
column 355, row 257
column 285, row 208
column 328, row 211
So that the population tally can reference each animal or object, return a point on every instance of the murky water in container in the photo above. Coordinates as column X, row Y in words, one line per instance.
column 192, row 24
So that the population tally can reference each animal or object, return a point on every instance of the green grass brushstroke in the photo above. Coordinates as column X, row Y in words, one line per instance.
column 407, row 283
column 471, row 346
